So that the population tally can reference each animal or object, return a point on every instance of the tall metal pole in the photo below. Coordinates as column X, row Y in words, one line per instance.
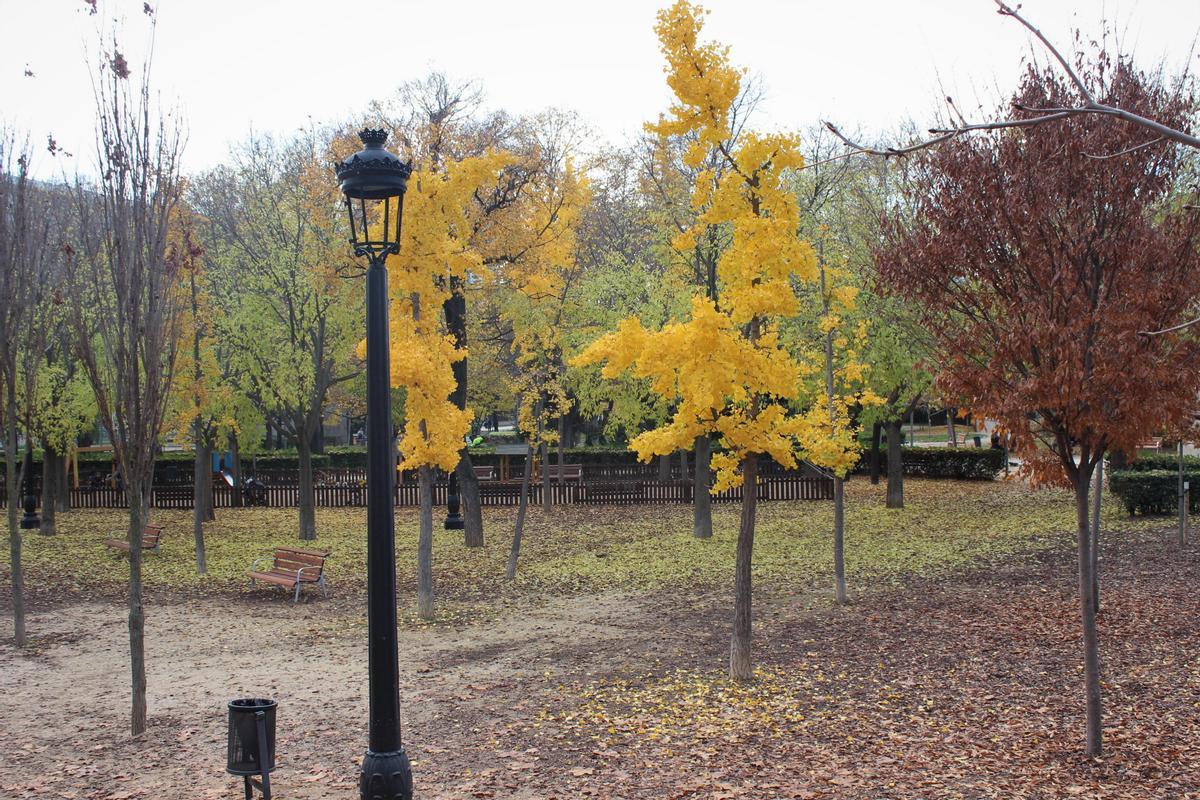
column 386, row 773
column 455, row 308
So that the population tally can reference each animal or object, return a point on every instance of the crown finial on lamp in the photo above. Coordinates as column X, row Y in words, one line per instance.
column 373, row 137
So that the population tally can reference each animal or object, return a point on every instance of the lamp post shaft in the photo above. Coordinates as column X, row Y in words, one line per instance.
column 455, row 308
column 386, row 774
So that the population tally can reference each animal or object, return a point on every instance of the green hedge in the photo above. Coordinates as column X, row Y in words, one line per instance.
column 1154, row 491
column 1162, row 461
column 959, row 463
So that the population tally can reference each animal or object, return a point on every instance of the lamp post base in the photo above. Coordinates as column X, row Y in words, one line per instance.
column 454, row 518
column 385, row 776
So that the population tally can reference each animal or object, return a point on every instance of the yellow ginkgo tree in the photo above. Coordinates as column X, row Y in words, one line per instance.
column 725, row 365
column 535, row 306
column 832, row 336
column 435, row 246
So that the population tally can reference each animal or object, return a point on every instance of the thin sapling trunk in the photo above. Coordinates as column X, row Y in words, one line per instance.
column 308, row 500
column 515, row 551
column 1087, row 607
column 701, row 498
column 468, row 495
column 876, row 436
column 51, row 475
column 741, row 665
column 425, row 543
column 895, row 466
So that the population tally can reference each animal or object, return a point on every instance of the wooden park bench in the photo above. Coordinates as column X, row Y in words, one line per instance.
column 1153, row 443
column 570, row 472
column 485, row 473
column 151, row 539
column 292, row 567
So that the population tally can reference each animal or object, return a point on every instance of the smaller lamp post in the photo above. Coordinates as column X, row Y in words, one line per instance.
column 30, row 521
column 455, row 308
column 373, row 181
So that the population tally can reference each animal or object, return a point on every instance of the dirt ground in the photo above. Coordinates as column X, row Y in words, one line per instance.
column 960, row 687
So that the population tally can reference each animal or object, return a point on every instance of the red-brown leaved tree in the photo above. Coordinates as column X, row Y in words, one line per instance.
column 1036, row 256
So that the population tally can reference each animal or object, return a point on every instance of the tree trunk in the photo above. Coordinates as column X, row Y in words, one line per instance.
column 1096, row 499
column 206, row 494
column 236, row 452
column 12, row 487
column 139, row 513
column 515, row 551
column 741, row 667
column 839, row 548
column 562, row 445
column 895, row 467
column 1087, row 607
column 701, row 498
column 308, row 500
column 1182, row 502
column 664, row 467
column 425, row 544
column 64, row 483
column 683, row 465
column 202, row 467
column 951, row 434
column 876, row 435
column 51, row 472
column 468, row 495
column 547, row 502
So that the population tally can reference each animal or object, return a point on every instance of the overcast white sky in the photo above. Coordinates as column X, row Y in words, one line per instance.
column 271, row 65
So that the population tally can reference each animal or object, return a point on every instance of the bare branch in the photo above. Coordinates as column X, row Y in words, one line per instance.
column 1126, row 151
column 889, row 151
column 1088, row 106
column 1178, row 327
column 1006, row 10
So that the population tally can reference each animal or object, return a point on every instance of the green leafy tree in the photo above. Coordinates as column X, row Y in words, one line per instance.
column 288, row 316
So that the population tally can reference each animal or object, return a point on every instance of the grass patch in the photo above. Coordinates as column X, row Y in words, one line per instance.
column 946, row 526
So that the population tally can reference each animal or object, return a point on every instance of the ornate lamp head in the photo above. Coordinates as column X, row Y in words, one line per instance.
column 371, row 180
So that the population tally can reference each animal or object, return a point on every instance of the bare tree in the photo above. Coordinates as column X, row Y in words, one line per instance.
column 25, row 230
column 124, row 303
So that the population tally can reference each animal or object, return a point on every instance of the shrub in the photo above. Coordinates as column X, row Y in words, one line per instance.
column 1154, row 491
column 960, row 463
column 1162, row 461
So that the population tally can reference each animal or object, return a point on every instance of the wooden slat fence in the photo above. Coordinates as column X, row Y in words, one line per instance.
column 787, row 486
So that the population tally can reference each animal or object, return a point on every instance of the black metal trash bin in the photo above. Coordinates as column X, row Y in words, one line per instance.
column 243, row 753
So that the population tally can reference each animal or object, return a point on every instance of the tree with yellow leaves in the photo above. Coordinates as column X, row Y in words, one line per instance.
column 434, row 247
column 535, row 306
column 836, row 341
column 726, row 365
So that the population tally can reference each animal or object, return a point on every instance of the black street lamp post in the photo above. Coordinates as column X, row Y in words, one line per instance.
column 371, row 180
column 30, row 520
column 455, row 308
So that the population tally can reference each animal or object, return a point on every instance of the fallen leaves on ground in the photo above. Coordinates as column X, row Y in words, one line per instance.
column 955, row 673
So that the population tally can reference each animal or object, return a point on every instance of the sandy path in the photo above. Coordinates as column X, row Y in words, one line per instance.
column 65, row 713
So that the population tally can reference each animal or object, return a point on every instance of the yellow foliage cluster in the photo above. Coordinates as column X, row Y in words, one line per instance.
column 828, row 433
column 724, row 366
column 435, row 246
column 541, row 276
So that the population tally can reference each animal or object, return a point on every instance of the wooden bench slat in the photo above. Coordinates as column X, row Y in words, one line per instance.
column 291, row 563
column 271, row 577
column 303, row 551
